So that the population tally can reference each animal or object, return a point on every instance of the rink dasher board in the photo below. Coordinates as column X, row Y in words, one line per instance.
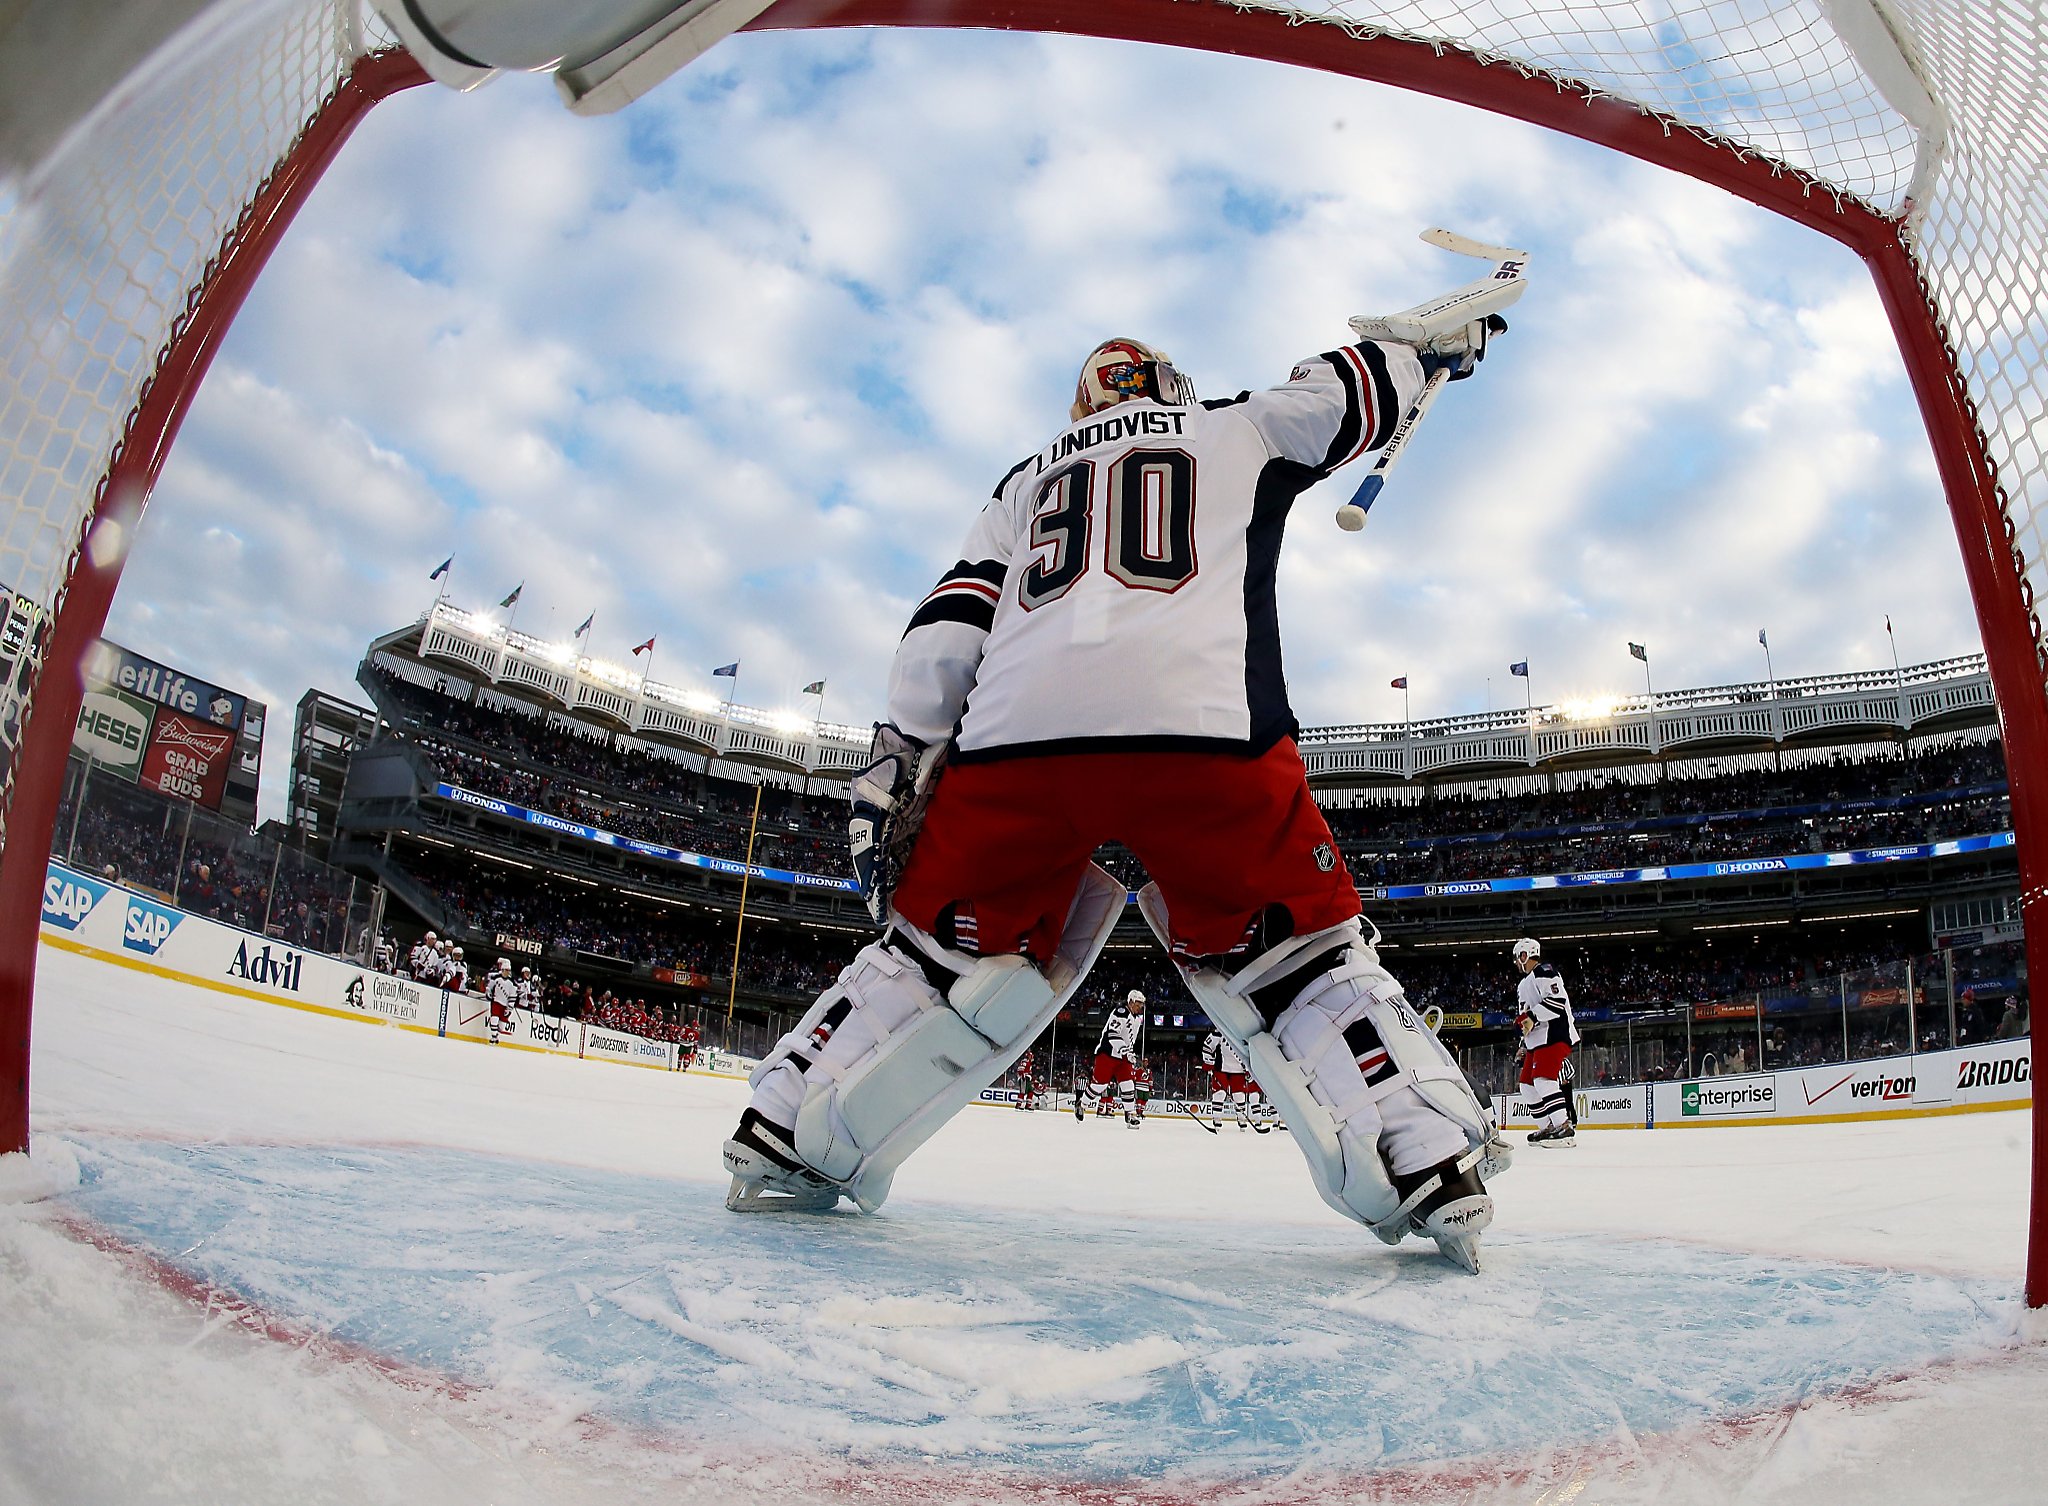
column 111, row 923
column 1962, row 1080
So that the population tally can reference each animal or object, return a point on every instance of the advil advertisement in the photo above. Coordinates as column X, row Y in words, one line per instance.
column 187, row 758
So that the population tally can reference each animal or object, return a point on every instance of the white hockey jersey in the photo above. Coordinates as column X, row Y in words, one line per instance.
column 1218, row 1055
column 1118, row 591
column 1119, row 1036
column 1544, row 1009
column 502, row 991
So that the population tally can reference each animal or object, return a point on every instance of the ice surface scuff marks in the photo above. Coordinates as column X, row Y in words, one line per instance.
column 1058, row 1344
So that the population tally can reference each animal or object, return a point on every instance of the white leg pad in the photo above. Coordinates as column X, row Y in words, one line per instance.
column 904, row 1058
column 1354, row 1123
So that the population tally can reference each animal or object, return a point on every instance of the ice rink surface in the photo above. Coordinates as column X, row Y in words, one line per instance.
column 265, row 1256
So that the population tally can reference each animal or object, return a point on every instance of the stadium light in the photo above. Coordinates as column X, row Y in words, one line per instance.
column 697, row 700
column 1597, row 708
column 789, row 722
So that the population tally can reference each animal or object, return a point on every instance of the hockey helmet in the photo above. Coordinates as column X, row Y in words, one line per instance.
column 505, row 965
column 1117, row 371
column 430, row 936
column 1134, row 1001
column 1528, row 947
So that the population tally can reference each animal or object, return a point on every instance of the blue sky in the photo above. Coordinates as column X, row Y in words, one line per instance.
column 736, row 367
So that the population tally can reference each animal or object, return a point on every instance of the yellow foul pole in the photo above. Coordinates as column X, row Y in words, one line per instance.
column 740, row 927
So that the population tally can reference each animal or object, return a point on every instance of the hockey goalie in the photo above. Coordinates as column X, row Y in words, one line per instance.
column 1103, row 663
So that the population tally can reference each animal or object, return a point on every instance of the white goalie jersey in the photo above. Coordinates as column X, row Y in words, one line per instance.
column 1143, row 524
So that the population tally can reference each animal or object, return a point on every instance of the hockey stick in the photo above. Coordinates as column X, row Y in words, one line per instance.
column 1181, row 1104
column 1425, row 325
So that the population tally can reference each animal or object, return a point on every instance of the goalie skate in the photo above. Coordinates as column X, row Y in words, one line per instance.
column 767, row 1177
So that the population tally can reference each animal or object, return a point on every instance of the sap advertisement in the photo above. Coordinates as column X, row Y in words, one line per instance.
column 110, row 920
column 604, row 838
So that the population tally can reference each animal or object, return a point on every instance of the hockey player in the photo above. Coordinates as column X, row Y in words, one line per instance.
column 1141, row 1090
column 1113, row 614
column 1543, row 1011
column 423, row 961
column 1116, row 1059
column 1027, row 1081
column 1227, row 1088
column 455, row 972
column 1255, row 1104
column 686, row 1045
column 502, row 990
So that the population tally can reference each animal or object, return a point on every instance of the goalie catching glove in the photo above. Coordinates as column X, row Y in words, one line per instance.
column 889, row 800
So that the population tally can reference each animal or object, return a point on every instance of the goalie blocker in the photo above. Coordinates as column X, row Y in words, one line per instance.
column 1393, row 1135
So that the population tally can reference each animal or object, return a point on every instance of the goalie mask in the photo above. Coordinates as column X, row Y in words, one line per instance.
column 1117, row 371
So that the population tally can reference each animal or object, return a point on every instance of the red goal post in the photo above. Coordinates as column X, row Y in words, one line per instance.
column 1909, row 130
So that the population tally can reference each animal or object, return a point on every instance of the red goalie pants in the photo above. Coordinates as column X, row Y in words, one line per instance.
column 1223, row 836
column 1544, row 1063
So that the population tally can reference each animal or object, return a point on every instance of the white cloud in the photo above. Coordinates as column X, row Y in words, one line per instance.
column 737, row 366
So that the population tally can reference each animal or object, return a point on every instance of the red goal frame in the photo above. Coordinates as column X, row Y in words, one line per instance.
column 2004, row 603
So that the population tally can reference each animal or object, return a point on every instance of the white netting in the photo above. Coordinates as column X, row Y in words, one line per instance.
column 1776, row 80
column 101, row 250
column 99, row 257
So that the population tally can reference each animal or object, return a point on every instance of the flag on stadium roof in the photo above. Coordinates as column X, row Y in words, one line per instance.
column 442, row 568
column 647, row 647
column 1761, row 638
column 730, row 671
column 816, row 687
column 1637, row 651
column 513, row 599
column 1400, row 684
column 1520, row 668
column 586, row 624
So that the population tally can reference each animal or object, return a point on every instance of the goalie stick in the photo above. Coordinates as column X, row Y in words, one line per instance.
column 1443, row 326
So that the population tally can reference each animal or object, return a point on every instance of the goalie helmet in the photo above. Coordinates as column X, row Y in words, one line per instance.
column 1117, row 371
column 1527, row 948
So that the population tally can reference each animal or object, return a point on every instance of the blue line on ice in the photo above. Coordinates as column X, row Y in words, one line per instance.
column 1074, row 1345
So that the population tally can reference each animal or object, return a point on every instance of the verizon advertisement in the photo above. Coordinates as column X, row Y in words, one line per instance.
column 1996, row 1074
column 187, row 758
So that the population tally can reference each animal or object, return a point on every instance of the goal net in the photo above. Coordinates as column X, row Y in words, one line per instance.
column 1912, row 130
